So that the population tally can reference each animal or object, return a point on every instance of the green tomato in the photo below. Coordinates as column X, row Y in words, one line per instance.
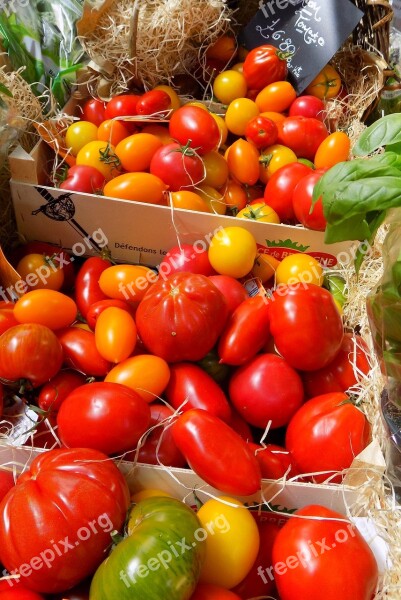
column 161, row 557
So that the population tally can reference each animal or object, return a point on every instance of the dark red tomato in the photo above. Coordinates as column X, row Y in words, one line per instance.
column 246, row 331
column 6, row 483
column 53, row 393
column 31, row 352
column 85, row 179
column 274, row 461
column 94, row 111
column 233, row 291
column 98, row 307
column 191, row 387
column 7, row 318
column 261, row 131
column 348, row 368
column 326, row 434
column 12, row 589
column 307, row 106
column 124, row 105
column 154, row 101
column 194, row 126
column 45, row 434
column 279, row 189
column 264, row 65
column 239, row 425
column 266, row 389
column 260, row 581
column 181, row 317
column 55, row 523
column 80, row 352
column 302, row 134
column 323, row 557
column 177, row 166
column 312, row 218
column 105, row 416
column 60, row 257
column 159, row 446
column 306, row 325
column 186, row 257
column 87, row 290
column 209, row 445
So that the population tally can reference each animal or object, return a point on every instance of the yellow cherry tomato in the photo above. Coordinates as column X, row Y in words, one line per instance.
column 189, row 201
column 327, row 84
column 334, row 149
column 229, row 85
column 232, row 541
column 216, row 168
column 273, row 158
column 221, row 124
column 146, row 374
column 213, row 198
column 140, row 187
column 115, row 334
column 276, row 97
column 238, row 67
column 79, row 134
column 126, row 282
column 259, row 212
column 175, row 100
column 299, row 268
column 151, row 493
column 102, row 156
column 232, row 251
column 264, row 267
column 239, row 113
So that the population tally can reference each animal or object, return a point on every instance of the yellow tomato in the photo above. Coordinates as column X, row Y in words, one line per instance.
column 238, row 67
column 259, row 212
column 151, row 493
column 276, row 97
column 216, row 169
column 299, row 268
column 175, row 100
column 213, row 198
column 146, row 374
column 126, row 282
column 232, row 541
column 189, row 201
column 221, row 124
column 115, row 334
column 102, row 156
column 239, row 113
column 229, row 85
column 232, row 251
column 273, row 158
column 79, row 134
column 265, row 267
column 327, row 84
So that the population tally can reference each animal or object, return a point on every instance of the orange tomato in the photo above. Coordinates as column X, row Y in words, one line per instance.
column 159, row 131
column 147, row 374
column 334, row 149
column 40, row 272
column 115, row 334
column 136, row 151
column 243, row 162
column 102, row 156
column 276, row 97
column 273, row 116
column 46, row 307
column 264, row 267
column 141, row 187
column 326, row 84
column 126, row 282
column 234, row 196
column 213, row 198
column 112, row 131
column 216, row 168
column 189, row 201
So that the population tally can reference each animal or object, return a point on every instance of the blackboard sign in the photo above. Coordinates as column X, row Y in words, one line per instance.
column 310, row 31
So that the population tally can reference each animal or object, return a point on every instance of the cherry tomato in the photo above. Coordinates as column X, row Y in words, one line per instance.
column 189, row 201
column 235, row 196
column 41, row 272
column 276, row 97
column 312, row 218
column 261, row 132
column 154, row 102
column 7, row 319
column 53, row 393
column 274, row 158
column 299, row 267
column 264, row 65
column 146, row 374
column 233, row 291
column 140, row 187
column 302, row 134
column 80, row 352
column 126, row 282
column 115, row 334
column 175, row 101
column 98, row 307
column 136, row 151
column 93, row 110
column 334, row 149
column 223, row 49
column 327, row 84
column 223, row 131
column 85, row 179
column 46, row 307
column 160, row 131
column 275, row 461
column 264, row 267
column 196, row 127
column 122, row 106
column 307, row 106
column 232, row 251
column 259, row 212
column 243, row 162
column 101, row 156
column 280, row 186
column 216, row 169
column 229, row 85
column 239, row 112
column 185, row 257
column 178, row 166
column 112, row 131
column 87, row 290
column 57, row 255
column 78, row 134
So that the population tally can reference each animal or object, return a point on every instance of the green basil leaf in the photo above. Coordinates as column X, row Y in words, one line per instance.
column 384, row 131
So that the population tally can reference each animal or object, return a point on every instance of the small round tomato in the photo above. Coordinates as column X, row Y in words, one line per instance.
column 299, row 267
column 53, row 393
column 154, row 102
column 41, row 272
column 327, row 84
column 123, row 105
column 279, row 189
column 274, row 461
column 312, row 218
column 186, row 257
column 232, row 251
column 239, row 112
column 229, row 85
column 243, row 162
column 189, row 201
column 234, row 196
column 259, row 212
column 112, row 131
column 190, row 125
column 140, row 187
column 93, row 110
column 273, row 158
column 159, row 130
column 216, row 169
column 101, row 156
column 223, row 49
column 178, row 166
column 302, row 134
column 126, row 282
column 334, row 149
column 146, row 374
column 175, row 101
column 83, row 178
column 261, row 131
column 79, row 134
column 276, row 97
column 136, row 151
column 307, row 106
column 46, row 307
column 115, row 334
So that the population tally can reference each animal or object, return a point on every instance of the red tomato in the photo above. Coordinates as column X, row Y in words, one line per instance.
column 323, row 557
column 87, row 290
column 6, row 483
column 11, row 589
column 280, row 187
column 258, row 582
column 124, row 105
column 209, row 591
column 29, row 351
column 178, row 310
column 263, row 65
column 307, row 106
column 246, row 331
column 97, row 308
column 209, row 445
column 53, row 393
column 240, row 426
column 266, row 389
column 312, row 218
column 85, row 179
column 306, row 325
column 233, row 291
column 302, row 134
column 347, row 368
column 261, row 131
column 93, row 111
column 159, row 446
column 326, row 434
column 186, row 257
column 80, row 352
column 91, row 417
column 196, row 127
column 191, row 387
column 274, row 461
column 177, row 166
column 52, row 529
column 7, row 319
column 154, row 101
